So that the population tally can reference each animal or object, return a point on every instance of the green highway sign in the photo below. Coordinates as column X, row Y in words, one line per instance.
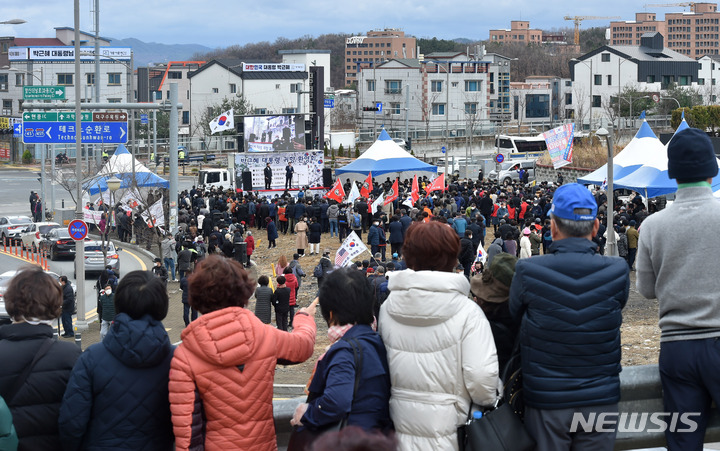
column 63, row 116
column 44, row 92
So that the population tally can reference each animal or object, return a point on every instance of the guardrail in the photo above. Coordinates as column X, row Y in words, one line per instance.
column 640, row 391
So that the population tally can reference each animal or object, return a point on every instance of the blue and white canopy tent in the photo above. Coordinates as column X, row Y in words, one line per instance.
column 651, row 179
column 644, row 147
column 120, row 165
column 386, row 158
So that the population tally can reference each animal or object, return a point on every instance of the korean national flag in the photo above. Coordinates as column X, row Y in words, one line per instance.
column 223, row 122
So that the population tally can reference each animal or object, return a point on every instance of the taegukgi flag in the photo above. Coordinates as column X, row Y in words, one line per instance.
column 223, row 122
column 350, row 248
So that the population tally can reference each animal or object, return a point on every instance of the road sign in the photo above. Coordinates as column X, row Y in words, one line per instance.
column 47, row 132
column 442, row 149
column 143, row 118
column 329, row 103
column 78, row 229
column 499, row 158
column 378, row 105
column 17, row 129
column 44, row 92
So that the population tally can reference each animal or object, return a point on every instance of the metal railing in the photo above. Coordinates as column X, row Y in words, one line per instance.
column 640, row 391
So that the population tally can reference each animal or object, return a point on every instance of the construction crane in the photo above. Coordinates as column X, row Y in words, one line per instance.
column 669, row 5
column 578, row 19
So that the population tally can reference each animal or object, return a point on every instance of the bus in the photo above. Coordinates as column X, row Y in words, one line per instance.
column 528, row 146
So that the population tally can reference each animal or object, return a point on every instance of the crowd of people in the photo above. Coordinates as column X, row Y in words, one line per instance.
column 417, row 341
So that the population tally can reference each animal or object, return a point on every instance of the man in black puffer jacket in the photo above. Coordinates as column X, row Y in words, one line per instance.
column 569, row 304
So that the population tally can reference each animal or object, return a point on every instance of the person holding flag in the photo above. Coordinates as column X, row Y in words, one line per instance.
column 437, row 185
column 367, row 186
column 415, row 192
column 337, row 193
column 392, row 194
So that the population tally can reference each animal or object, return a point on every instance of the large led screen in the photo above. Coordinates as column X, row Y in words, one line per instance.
column 274, row 133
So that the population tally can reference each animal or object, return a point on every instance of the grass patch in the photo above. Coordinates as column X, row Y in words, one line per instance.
column 586, row 154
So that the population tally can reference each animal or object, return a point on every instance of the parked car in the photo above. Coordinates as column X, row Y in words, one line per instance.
column 35, row 232
column 509, row 171
column 58, row 243
column 400, row 142
column 5, row 279
column 94, row 257
column 11, row 227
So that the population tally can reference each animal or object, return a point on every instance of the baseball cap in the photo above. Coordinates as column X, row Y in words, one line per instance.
column 572, row 197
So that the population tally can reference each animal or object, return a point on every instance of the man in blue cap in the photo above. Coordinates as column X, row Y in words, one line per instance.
column 568, row 303
column 680, row 270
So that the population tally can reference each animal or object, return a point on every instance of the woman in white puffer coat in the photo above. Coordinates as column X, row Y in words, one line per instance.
column 440, row 348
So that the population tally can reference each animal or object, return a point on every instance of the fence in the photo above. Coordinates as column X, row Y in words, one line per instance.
column 640, row 391
column 31, row 255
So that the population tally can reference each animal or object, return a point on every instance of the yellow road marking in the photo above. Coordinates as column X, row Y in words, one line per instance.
column 142, row 263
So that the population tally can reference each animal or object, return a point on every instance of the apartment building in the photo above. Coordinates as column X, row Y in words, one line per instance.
column 692, row 33
column 362, row 52
column 519, row 31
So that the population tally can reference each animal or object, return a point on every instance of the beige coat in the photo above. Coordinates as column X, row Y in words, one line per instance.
column 301, row 241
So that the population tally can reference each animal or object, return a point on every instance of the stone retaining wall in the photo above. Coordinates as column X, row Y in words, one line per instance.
column 546, row 173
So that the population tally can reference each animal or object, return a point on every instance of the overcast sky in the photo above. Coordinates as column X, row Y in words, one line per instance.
column 221, row 24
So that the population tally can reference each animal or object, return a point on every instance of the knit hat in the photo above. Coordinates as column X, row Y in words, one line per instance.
column 691, row 156
column 493, row 285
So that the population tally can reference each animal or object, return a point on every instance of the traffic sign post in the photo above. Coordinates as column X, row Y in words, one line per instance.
column 499, row 158
column 143, row 118
column 44, row 92
column 78, row 229
column 59, row 127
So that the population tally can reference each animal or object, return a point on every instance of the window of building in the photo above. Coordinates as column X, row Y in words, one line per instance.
column 597, row 80
column 701, row 81
column 233, row 88
column 605, row 57
column 438, row 109
column 260, row 111
column 113, row 79
column 371, row 85
column 7, row 107
column 19, row 79
column 393, row 87
column 185, row 117
column 596, row 102
column 609, row 80
column 90, row 78
column 289, row 110
column 65, row 79
column 394, row 108
column 537, row 105
column 215, row 90
column 683, row 80
column 471, row 108
column 175, row 75
column 114, row 100
column 295, row 87
column 472, row 85
column 568, row 99
column 436, row 86
column 650, row 79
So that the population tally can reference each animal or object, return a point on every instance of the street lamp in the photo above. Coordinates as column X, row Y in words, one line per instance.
column 611, row 245
column 632, row 99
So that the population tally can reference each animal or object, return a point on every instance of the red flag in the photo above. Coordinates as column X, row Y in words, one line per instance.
column 367, row 186
column 437, row 185
column 415, row 193
column 392, row 194
column 336, row 192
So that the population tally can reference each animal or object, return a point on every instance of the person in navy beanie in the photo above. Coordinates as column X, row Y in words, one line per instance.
column 677, row 268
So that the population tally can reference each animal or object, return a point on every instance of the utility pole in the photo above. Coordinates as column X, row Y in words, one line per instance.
column 173, row 154
column 81, row 323
column 98, row 152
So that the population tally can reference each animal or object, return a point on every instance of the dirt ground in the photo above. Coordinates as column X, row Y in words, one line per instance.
column 640, row 332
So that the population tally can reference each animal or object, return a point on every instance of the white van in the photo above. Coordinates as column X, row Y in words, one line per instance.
column 509, row 171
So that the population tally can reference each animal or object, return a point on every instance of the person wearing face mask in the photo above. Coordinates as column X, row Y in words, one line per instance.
column 160, row 271
column 107, row 301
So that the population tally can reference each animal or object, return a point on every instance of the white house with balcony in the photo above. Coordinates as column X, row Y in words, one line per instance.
column 432, row 96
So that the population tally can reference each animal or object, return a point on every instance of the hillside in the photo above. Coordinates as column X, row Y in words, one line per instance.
column 152, row 52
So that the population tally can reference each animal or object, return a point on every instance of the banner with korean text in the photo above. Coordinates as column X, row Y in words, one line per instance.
column 308, row 168
column 559, row 142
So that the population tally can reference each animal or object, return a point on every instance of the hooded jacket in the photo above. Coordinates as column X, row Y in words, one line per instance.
column 229, row 355
column 36, row 405
column 441, row 355
column 117, row 396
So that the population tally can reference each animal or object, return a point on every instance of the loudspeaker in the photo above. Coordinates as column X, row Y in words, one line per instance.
column 327, row 177
column 247, row 181
column 308, row 126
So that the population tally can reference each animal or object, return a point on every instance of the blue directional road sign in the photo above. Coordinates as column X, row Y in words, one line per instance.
column 78, row 229
column 46, row 132
column 17, row 130
column 329, row 103
column 143, row 118
column 378, row 105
